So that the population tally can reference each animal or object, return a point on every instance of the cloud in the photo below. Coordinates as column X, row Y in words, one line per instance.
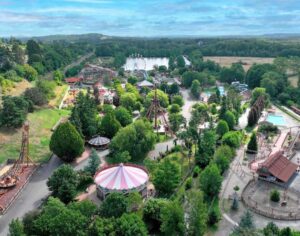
column 13, row 17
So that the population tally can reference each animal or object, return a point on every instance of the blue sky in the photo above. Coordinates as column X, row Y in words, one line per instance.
column 149, row 17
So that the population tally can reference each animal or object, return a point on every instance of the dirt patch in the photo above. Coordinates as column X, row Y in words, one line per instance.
column 247, row 61
column 294, row 81
column 20, row 88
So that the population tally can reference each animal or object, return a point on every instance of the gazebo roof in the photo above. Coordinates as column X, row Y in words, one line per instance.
column 99, row 141
column 121, row 177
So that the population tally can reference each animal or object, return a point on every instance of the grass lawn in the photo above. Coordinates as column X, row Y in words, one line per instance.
column 41, row 122
column 59, row 95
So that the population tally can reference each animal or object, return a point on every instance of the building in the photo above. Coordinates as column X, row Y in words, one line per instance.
column 122, row 178
column 92, row 73
column 240, row 87
column 277, row 168
column 73, row 80
column 145, row 84
column 99, row 142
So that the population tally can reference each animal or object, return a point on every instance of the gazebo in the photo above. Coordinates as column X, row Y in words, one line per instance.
column 99, row 142
column 123, row 178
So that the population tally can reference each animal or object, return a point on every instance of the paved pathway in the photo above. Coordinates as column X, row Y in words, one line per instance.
column 188, row 104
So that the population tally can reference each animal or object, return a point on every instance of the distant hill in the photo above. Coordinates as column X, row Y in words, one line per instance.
column 70, row 38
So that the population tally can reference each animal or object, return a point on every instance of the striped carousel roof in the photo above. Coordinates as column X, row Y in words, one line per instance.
column 121, row 177
column 99, row 141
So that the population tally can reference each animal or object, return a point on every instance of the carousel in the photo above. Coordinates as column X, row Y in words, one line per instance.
column 99, row 142
column 123, row 178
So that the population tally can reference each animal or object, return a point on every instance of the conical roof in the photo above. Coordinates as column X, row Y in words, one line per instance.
column 121, row 177
column 99, row 141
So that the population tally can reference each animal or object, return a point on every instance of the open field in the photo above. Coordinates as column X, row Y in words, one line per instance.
column 294, row 80
column 247, row 61
column 20, row 88
column 41, row 123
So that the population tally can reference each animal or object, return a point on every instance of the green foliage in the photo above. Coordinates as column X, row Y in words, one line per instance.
column 245, row 225
column 16, row 228
column 222, row 157
column 234, row 73
column 195, row 89
column 58, row 76
column 14, row 111
column 47, row 87
column 114, row 205
column 196, row 171
column 123, row 116
column 63, row 183
column 109, row 125
column 271, row 229
column 206, row 148
column 131, row 224
column 94, row 162
column 172, row 217
column 175, row 121
column 268, row 129
column 188, row 183
column 162, row 97
column 256, row 93
column 66, row 142
column 167, row 176
column 275, row 196
column 103, row 226
column 12, row 76
column 84, row 115
column 211, row 181
column 232, row 139
column 188, row 78
column 30, row 73
column 137, row 139
column 174, row 108
column 177, row 99
column 214, row 215
column 252, row 145
column 36, row 96
column 230, row 119
column 197, row 210
column 222, row 128
column 256, row 72
column 128, row 100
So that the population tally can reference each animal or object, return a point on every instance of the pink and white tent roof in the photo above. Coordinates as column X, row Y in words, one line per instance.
column 121, row 177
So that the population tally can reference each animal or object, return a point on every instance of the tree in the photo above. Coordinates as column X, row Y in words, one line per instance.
column 197, row 213
column 222, row 128
column 206, row 148
column 14, row 111
column 152, row 213
column 63, row 183
column 30, row 73
column 167, row 176
column 189, row 76
column 275, row 196
column 222, row 157
column 174, row 108
column 271, row 229
column 94, row 162
column 137, row 139
column 252, row 145
column 161, row 96
column 128, row 100
column 177, row 99
column 211, row 181
column 57, row 219
column 58, row 76
column 46, row 87
column 230, row 119
column 195, row 89
column 109, row 125
column 172, row 217
column 66, row 142
column 123, row 116
column 103, row 226
column 114, row 205
column 180, row 62
column 245, row 225
column 175, row 121
column 232, row 139
column 174, row 88
column 255, row 73
column 16, row 228
column 131, row 224
column 36, row 96
column 84, row 115
column 223, row 108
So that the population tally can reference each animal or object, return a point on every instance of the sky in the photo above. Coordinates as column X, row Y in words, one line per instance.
column 149, row 17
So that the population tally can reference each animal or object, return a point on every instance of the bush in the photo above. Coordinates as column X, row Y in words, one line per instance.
column 36, row 96
column 232, row 139
column 275, row 196
column 188, row 183
column 196, row 171
column 213, row 216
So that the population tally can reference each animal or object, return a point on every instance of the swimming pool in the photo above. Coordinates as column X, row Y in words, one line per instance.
column 276, row 120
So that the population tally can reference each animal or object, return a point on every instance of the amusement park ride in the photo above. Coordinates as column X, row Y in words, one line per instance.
column 12, row 176
column 157, row 112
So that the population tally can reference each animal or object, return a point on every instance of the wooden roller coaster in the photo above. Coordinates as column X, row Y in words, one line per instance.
column 156, row 111
column 11, row 177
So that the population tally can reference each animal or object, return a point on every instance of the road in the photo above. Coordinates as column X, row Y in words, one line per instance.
column 188, row 104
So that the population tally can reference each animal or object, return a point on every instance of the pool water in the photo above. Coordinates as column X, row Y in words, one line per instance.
column 222, row 91
column 276, row 120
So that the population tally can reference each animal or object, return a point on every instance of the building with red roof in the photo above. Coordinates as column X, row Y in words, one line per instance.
column 72, row 80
